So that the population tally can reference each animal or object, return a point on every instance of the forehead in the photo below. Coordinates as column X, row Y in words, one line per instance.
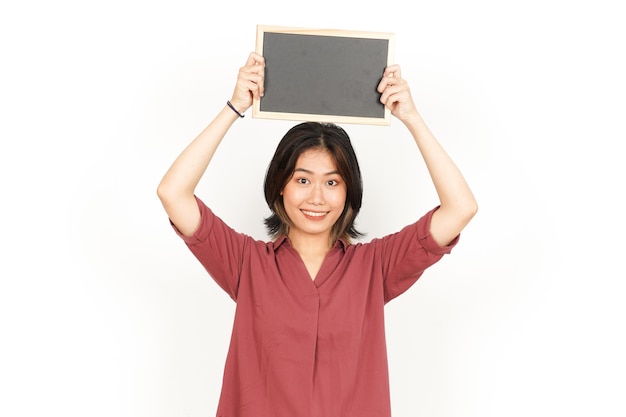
column 316, row 158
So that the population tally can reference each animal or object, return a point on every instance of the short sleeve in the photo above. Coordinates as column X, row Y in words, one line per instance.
column 408, row 253
column 218, row 248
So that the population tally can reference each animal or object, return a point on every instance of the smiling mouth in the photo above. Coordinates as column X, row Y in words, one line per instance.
column 314, row 213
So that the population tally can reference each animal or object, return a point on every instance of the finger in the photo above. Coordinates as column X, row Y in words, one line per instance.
column 391, row 87
column 252, row 83
column 391, row 76
column 251, row 88
column 255, row 59
column 387, row 82
column 254, row 66
column 248, row 77
column 259, row 83
column 382, row 84
column 392, row 71
column 243, row 95
column 385, row 96
column 392, row 95
column 256, row 73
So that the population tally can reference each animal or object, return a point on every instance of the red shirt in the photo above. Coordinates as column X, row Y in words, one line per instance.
column 303, row 347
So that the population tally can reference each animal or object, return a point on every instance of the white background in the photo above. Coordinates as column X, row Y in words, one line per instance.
column 104, row 312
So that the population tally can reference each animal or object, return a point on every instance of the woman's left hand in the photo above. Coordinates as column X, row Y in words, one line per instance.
column 395, row 93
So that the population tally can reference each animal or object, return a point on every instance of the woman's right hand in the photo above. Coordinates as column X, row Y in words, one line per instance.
column 249, row 82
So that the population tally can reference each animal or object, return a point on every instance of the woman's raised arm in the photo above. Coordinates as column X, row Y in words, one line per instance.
column 177, row 187
column 457, row 203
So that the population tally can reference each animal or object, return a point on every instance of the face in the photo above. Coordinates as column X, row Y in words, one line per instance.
column 314, row 196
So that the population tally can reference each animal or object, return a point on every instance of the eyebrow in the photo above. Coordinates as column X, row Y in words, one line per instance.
column 308, row 171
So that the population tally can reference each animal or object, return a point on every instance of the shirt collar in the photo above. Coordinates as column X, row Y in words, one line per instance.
column 340, row 243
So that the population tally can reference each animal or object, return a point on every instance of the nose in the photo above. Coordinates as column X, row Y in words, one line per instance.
column 316, row 196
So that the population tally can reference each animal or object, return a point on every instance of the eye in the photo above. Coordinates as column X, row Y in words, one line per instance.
column 302, row 181
column 332, row 183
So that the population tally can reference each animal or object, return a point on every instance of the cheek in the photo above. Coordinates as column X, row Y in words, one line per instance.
column 292, row 195
column 338, row 198
column 300, row 194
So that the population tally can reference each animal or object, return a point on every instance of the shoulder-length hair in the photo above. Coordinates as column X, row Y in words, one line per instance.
column 301, row 138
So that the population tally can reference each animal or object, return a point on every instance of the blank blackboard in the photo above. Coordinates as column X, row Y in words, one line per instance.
column 323, row 75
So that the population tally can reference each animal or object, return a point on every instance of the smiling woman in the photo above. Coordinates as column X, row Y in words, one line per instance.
column 308, row 338
column 321, row 160
column 314, row 199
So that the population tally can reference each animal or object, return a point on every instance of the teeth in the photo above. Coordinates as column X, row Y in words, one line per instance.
column 313, row 213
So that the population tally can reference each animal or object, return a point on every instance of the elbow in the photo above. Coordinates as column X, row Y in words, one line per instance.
column 460, row 212
column 165, row 192
column 161, row 191
column 470, row 208
column 171, row 193
column 473, row 207
column 465, row 209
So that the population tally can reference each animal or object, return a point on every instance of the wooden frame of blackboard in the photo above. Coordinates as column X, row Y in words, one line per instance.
column 339, row 71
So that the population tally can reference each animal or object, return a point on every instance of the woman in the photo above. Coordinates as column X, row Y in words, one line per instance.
column 308, row 338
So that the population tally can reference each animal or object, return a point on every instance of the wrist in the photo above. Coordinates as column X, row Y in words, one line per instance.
column 234, row 109
column 412, row 119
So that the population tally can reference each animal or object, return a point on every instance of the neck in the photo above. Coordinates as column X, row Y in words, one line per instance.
column 310, row 245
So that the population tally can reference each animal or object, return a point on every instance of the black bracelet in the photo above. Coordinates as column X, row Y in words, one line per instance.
column 234, row 109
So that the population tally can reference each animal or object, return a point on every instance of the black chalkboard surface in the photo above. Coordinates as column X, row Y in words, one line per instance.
column 323, row 75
